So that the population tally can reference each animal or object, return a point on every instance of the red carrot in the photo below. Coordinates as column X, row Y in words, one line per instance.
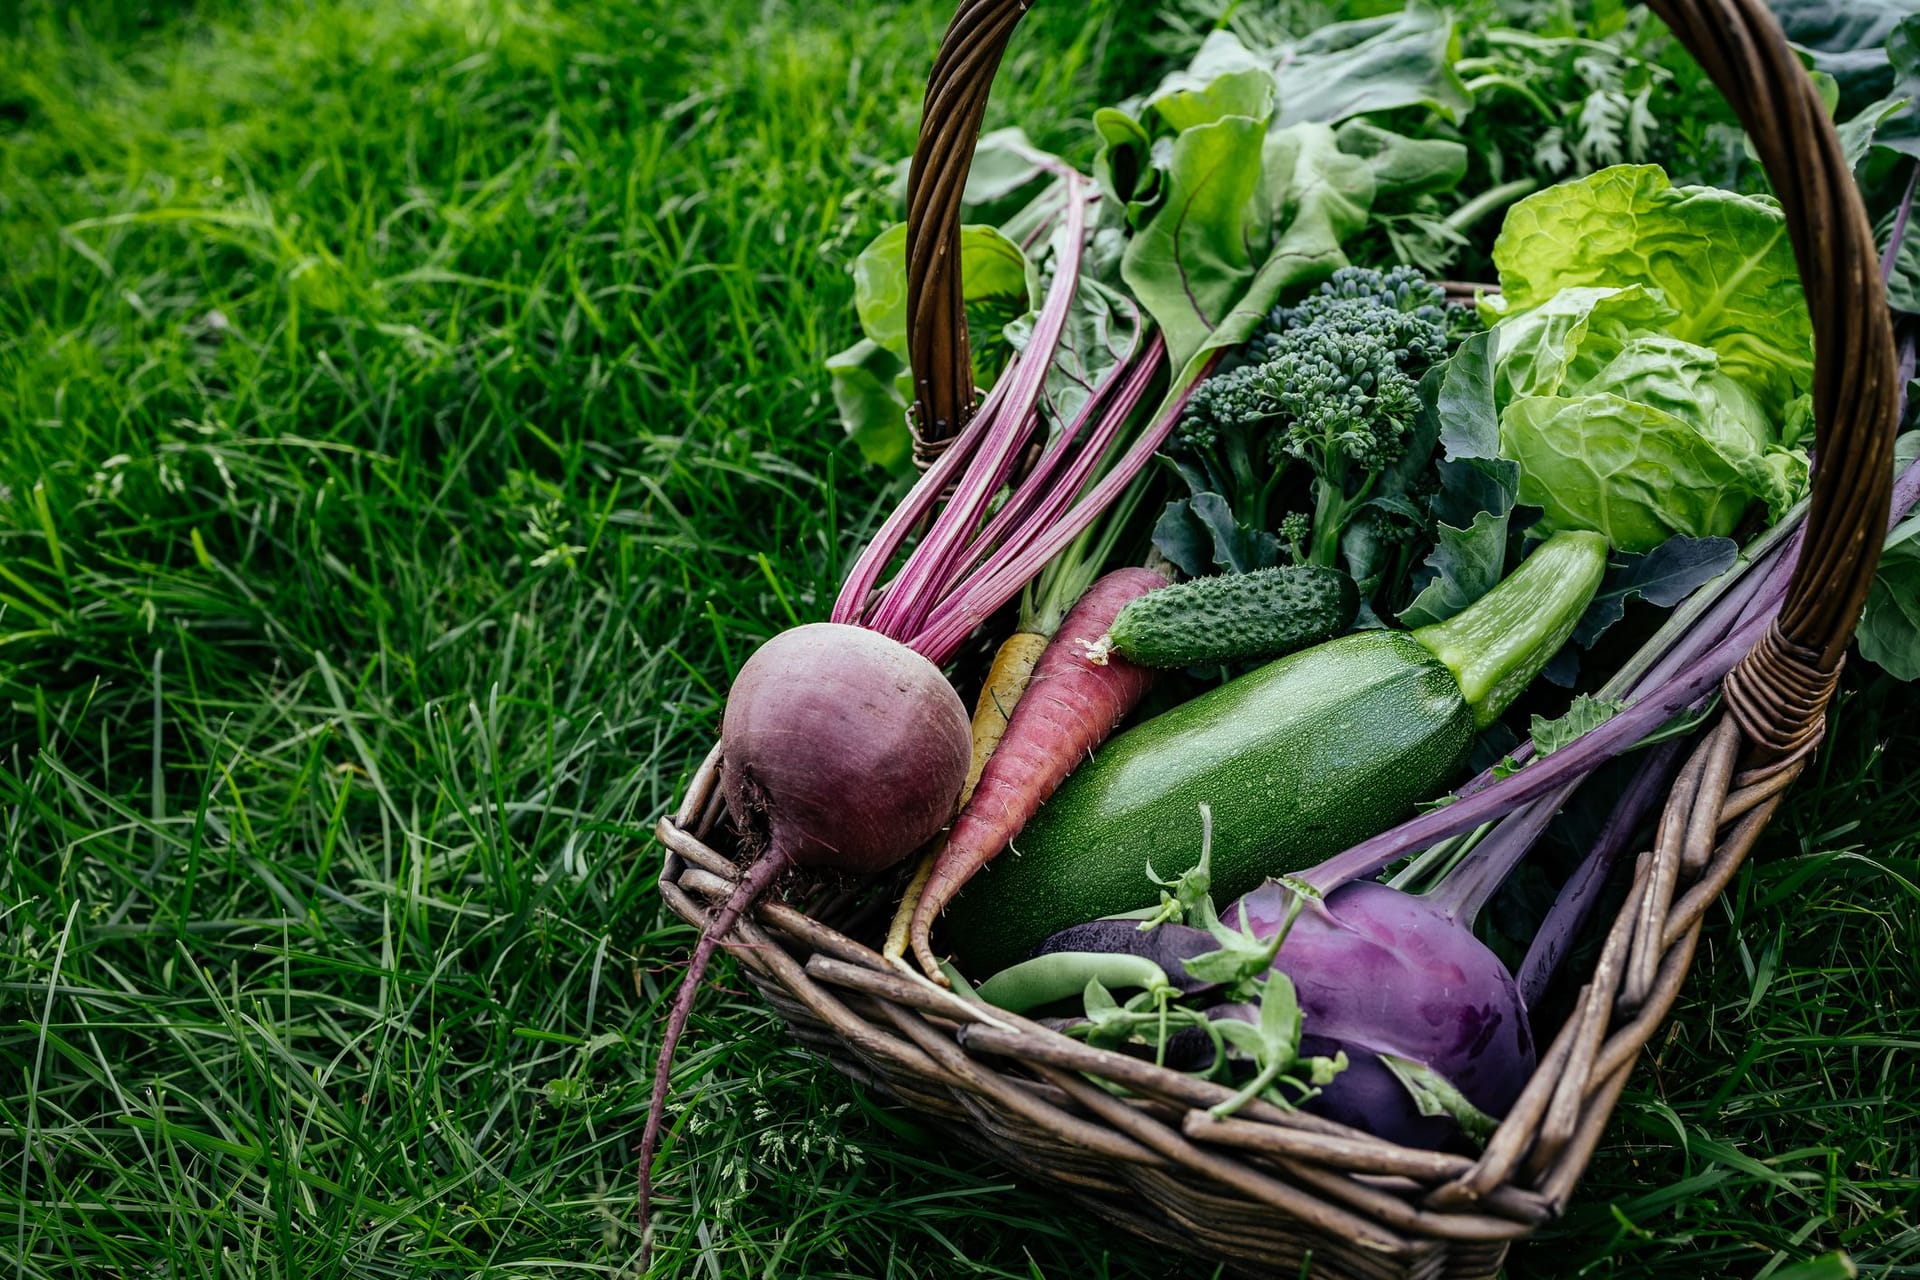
column 1070, row 707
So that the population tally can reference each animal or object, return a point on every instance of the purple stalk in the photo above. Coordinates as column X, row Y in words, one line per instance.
column 852, row 603
column 1570, row 763
column 1002, row 578
column 1900, row 219
column 1045, row 492
column 1062, row 484
column 1481, row 873
column 915, row 593
column 1753, row 603
column 1581, row 893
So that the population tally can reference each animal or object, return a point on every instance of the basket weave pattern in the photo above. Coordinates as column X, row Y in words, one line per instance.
column 1270, row 1189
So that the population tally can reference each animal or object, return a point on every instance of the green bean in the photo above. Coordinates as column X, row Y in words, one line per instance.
column 1065, row 974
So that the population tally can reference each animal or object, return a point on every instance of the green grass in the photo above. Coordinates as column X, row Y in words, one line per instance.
column 412, row 415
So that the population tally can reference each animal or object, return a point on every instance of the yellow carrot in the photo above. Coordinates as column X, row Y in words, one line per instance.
column 1006, row 681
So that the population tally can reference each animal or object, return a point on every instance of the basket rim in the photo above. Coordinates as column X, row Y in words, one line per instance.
column 1525, row 1175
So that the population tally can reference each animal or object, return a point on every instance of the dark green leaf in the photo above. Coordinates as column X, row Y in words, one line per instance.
column 1103, row 326
column 1403, row 165
column 1477, row 486
column 1663, row 577
column 1236, row 548
column 1890, row 628
column 1847, row 39
column 1181, row 538
column 1347, row 69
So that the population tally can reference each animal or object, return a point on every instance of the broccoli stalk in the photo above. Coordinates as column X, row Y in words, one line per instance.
column 1331, row 382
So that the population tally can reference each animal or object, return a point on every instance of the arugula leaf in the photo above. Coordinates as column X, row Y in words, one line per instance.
column 1663, row 576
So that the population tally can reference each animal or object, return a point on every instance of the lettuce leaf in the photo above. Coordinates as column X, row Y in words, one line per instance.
column 1721, row 260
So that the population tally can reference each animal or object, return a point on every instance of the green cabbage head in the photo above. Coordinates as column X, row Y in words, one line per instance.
column 1651, row 341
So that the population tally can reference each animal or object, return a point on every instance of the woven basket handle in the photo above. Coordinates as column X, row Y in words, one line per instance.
column 1787, row 679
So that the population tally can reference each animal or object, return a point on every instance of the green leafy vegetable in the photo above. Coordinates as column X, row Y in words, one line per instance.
column 1434, row 1095
column 1402, row 59
column 1477, row 487
column 1652, row 341
column 1587, row 712
column 871, row 383
column 1663, row 577
column 1890, row 628
column 1720, row 260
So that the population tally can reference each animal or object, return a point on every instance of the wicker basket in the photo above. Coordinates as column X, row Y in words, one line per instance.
column 1270, row 1190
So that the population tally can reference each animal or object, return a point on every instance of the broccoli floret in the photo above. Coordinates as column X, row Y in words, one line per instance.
column 1398, row 305
column 1329, row 381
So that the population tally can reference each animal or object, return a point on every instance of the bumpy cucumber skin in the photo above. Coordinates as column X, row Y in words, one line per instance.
column 1298, row 760
column 1235, row 617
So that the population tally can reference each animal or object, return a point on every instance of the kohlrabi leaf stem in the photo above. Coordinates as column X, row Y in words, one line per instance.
column 1581, row 893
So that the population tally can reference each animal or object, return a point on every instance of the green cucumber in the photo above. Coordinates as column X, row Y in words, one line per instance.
column 1298, row 759
column 1235, row 617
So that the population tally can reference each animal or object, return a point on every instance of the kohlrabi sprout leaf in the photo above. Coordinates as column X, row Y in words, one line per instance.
column 1663, row 576
column 1890, row 628
column 1722, row 261
column 1434, row 1095
column 1587, row 712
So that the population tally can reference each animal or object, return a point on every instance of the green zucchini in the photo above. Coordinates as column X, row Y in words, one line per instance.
column 1235, row 617
column 1298, row 759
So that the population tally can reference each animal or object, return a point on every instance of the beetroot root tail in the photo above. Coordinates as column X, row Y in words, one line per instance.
column 759, row 877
